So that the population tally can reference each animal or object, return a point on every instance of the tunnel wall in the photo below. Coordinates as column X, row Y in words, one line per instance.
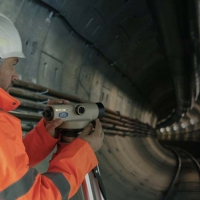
column 56, row 57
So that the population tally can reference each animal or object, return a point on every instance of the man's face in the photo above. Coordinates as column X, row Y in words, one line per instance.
column 7, row 73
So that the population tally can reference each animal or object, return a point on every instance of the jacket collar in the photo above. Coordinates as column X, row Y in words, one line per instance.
column 7, row 102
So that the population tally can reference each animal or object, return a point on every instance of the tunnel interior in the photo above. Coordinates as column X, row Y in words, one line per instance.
column 137, row 57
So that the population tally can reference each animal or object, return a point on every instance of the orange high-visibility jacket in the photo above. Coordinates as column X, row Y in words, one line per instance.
column 18, row 180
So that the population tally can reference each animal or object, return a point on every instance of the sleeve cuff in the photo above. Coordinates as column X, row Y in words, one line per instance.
column 77, row 143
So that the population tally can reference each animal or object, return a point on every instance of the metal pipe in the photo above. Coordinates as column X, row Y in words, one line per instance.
column 28, row 116
column 28, row 94
column 30, row 104
column 53, row 93
column 48, row 91
column 43, row 97
column 113, row 122
column 110, row 123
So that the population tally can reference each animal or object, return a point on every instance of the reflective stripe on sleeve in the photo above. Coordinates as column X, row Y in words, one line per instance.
column 60, row 182
column 20, row 187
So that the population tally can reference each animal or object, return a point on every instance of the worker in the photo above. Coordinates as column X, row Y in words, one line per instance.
column 68, row 166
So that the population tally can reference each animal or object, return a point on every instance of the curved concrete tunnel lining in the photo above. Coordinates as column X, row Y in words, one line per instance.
column 76, row 62
column 114, row 89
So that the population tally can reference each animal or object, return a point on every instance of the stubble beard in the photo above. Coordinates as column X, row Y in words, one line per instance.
column 3, row 85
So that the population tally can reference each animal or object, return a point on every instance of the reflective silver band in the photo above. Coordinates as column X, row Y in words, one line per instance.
column 20, row 187
column 60, row 182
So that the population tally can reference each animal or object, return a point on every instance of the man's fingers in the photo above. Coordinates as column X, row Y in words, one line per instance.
column 87, row 130
column 58, row 101
column 96, row 138
column 98, row 128
column 65, row 101
column 102, row 134
column 54, row 124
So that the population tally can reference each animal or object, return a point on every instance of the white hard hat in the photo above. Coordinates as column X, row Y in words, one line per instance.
column 10, row 41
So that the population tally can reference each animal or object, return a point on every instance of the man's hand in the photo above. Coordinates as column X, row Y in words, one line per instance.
column 50, row 126
column 93, row 136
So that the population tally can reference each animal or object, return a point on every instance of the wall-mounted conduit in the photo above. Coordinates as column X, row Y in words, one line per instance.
column 32, row 98
column 178, row 22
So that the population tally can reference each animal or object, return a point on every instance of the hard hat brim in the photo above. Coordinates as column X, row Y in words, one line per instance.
column 13, row 54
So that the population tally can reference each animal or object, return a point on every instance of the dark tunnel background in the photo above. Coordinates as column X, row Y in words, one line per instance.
column 139, row 57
